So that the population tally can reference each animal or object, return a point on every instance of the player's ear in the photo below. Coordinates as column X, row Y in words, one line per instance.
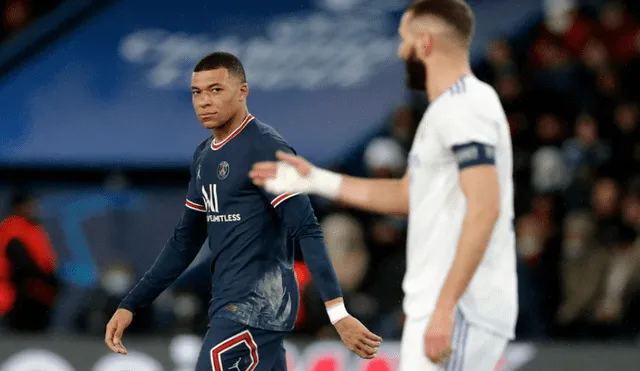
column 244, row 90
column 425, row 44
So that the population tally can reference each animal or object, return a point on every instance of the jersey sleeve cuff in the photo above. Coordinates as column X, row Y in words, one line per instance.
column 195, row 206
column 474, row 154
column 282, row 198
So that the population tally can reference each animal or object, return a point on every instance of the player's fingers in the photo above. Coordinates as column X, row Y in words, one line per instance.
column 354, row 348
column 429, row 348
column 371, row 336
column 368, row 350
column 437, row 349
column 262, row 174
column 369, row 342
column 290, row 158
column 117, row 339
column 255, row 176
column 365, row 353
column 446, row 355
column 442, row 358
column 260, row 182
column 120, row 346
column 264, row 168
column 108, row 337
column 298, row 162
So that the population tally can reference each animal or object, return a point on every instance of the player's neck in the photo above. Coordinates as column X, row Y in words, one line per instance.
column 221, row 133
column 443, row 72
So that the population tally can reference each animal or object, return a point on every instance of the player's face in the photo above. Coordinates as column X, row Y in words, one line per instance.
column 217, row 96
column 416, row 70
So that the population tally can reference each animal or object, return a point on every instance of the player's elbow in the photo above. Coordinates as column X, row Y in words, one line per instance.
column 403, row 196
column 484, row 210
column 308, row 230
column 403, row 210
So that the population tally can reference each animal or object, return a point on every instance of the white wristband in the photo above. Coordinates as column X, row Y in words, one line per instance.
column 326, row 183
column 337, row 313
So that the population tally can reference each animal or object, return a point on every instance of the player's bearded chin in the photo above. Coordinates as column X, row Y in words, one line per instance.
column 416, row 73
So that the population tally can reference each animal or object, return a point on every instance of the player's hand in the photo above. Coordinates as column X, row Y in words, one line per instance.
column 358, row 338
column 115, row 329
column 437, row 338
column 290, row 172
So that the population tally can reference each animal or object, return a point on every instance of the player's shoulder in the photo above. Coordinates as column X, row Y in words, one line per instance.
column 204, row 143
column 469, row 92
column 468, row 98
column 201, row 147
column 266, row 137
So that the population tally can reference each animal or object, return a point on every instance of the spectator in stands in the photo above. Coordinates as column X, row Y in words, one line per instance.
column 530, row 244
column 625, row 159
column 17, row 14
column 605, row 98
column 28, row 282
column 594, row 57
column 605, row 204
column 303, row 276
column 631, row 72
column 548, row 171
column 385, row 158
column 583, row 155
column 499, row 62
column 190, row 313
column 616, row 241
column 584, row 267
column 550, row 129
column 115, row 282
column 631, row 205
column 618, row 30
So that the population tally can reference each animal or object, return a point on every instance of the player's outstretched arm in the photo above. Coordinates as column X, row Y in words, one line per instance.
column 178, row 253
column 295, row 174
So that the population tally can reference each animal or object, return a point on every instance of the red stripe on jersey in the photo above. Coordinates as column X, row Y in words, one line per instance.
column 216, row 146
column 194, row 206
column 225, row 345
column 283, row 197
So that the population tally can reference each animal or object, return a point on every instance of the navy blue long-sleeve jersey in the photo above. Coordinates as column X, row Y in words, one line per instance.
column 250, row 230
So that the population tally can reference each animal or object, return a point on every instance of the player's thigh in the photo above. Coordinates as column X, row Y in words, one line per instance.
column 475, row 349
column 412, row 356
column 229, row 345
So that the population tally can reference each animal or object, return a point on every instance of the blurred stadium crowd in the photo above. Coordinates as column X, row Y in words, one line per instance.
column 570, row 90
column 570, row 86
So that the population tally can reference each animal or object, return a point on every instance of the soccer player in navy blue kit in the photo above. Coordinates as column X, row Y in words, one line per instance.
column 254, row 290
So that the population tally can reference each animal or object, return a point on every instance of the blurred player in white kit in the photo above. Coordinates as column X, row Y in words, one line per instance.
column 460, row 286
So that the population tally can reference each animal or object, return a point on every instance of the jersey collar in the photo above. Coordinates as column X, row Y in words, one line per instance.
column 216, row 146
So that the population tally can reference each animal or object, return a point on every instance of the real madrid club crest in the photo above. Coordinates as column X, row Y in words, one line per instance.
column 223, row 170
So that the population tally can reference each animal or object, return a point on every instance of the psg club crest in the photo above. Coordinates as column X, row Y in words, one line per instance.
column 223, row 170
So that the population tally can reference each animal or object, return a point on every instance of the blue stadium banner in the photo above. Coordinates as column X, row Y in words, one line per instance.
column 116, row 91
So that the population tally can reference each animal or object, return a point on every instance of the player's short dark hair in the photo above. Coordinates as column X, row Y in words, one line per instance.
column 456, row 13
column 226, row 60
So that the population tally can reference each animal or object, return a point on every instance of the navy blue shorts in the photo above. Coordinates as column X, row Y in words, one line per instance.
column 232, row 346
